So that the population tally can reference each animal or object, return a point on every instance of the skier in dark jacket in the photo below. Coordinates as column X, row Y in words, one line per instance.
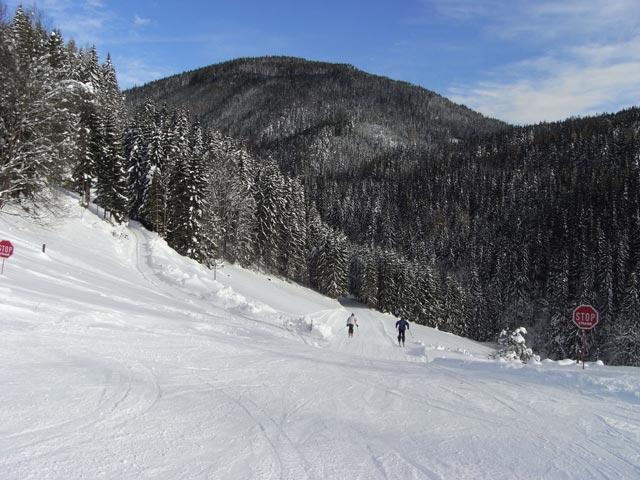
column 401, row 325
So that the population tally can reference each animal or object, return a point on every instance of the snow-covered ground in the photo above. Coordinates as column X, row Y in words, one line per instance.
column 120, row 359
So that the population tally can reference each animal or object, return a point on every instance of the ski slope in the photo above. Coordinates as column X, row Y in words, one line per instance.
column 120, row 359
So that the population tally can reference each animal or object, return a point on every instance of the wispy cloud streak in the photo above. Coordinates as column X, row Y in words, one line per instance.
column 585, row 58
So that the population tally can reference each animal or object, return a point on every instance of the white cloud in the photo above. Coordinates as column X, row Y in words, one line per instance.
column 137, row 20
column 134, row 71
column 585, row 60
column 554, row 89
column 84, row 21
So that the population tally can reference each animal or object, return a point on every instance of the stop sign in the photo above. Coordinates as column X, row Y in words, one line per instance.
column 6, row 249
column 585, row 317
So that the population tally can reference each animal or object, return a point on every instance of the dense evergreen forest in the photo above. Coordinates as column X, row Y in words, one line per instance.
column 342, row 181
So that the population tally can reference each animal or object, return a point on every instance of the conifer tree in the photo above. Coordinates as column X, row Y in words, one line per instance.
column 389, row 288
column 624, row 348
column 179, row 189
column 332, row 265
column 154, row 207
column 188, row 200
column 316, row 233
column 135, row 151
column 91, row 142
column 36, row 127
column 237, row 205
column 292, row 243
column 269, row 213
column 454, row 307
column 111, row 176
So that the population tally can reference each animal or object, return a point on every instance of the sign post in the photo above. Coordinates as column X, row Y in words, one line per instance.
column 6, row 250
column 585, row 317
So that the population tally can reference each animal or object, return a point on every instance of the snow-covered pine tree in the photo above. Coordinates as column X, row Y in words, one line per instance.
column 624, row 347
column 135, row 152
column 332, row 265
column 479, row 326
column 390, row 291
column 454, row 306
column 269, row 213
column 111, row 181
column 512, row 346
column 292, row 253
column 36, row 127
column 430, row 300
column 111, row 185
column 236, row 202
column 559, row 331
column 369, row 285
column 154, row 207
column 356, row 272
column 316, row 233
column 604, row 289
column 188, row 202
column 31, row 121
column 91, row 138
column 178, row 188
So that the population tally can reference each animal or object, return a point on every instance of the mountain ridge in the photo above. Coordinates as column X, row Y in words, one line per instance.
column 270, row 101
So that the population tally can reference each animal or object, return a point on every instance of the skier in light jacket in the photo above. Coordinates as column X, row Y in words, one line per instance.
column 351, row 321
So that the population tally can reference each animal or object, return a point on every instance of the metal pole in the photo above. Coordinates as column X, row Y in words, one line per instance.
column 584, row 345
column 2, row 271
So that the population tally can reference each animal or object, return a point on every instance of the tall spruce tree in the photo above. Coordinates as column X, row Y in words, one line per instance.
column 624, row 348
column 333, row 264
column 269, row 213
column 36, row 125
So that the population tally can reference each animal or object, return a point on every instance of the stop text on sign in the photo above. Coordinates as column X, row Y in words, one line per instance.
column 6, row 249
column 585, row 317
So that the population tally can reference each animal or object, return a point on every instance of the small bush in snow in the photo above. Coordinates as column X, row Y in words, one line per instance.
column 513, row 346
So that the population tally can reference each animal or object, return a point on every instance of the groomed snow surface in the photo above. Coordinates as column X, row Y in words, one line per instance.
column 119, row 359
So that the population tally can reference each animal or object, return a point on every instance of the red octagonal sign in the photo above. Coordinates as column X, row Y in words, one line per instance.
column 585, row 317
column 6, row 249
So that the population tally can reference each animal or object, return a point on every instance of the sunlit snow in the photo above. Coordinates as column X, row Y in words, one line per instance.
column 120, row 359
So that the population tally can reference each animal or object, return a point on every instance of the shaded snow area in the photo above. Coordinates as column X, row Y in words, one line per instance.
column 120, row 359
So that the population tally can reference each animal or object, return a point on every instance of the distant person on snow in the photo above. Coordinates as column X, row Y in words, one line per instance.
column 401, row 325
column 351, row 321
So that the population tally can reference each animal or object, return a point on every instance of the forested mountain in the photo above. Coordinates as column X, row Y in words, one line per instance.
column 314, row 116
column 474, row 225
column 343, row 181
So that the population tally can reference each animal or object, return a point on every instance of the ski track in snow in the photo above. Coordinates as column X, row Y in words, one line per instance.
column 122, row 360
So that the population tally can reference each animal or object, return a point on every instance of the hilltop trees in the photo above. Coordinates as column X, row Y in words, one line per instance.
column 37, row 125
column 60, row 114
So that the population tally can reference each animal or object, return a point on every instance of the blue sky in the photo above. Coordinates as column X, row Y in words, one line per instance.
column 522, row 61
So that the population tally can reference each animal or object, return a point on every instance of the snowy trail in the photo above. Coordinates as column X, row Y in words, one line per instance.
column 375, row 336
column 120, row 359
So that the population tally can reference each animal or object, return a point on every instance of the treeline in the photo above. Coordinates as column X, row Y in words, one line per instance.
column 60, row 114
column 531, row 222
column 201, row 191
column 211, row 199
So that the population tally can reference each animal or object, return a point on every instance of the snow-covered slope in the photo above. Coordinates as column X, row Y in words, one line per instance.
column 120, row 359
